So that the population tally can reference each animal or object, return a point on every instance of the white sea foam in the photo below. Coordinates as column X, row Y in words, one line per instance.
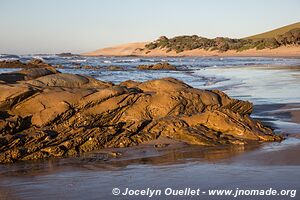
column 38, row 57
column 8, row 57
column 78, row 60
column 130, row 60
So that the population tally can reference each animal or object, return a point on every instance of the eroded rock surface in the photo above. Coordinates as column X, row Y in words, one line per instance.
column 55, row 115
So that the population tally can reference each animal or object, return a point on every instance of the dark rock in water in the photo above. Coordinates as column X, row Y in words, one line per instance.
column 78, row 66
column 12, row 64
column 57, row 115
column 114, row 68
column 37, row 63
column 87, row 67
column 34, row 63
column 67, row 55
column 110, row 68
column 158, row 66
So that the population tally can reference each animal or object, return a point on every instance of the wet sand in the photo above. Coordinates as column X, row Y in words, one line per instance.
column 89, row 178
column 166, row 163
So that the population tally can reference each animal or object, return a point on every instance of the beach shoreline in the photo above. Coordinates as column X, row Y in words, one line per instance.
column 138, row 50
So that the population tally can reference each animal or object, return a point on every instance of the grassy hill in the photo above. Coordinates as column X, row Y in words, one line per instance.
column 275, row 32
column 287, row 35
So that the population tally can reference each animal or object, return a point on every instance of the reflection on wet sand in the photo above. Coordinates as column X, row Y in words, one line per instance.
column 176, row 166
column 173, row 154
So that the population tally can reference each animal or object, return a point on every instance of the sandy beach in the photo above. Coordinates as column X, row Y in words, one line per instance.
column 133, row 49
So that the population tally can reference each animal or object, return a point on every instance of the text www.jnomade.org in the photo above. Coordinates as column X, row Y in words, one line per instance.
column 198, row 192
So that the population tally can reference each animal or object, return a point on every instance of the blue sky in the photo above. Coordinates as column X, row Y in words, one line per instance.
column 53, row 26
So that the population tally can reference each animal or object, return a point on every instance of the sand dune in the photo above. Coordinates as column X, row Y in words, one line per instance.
column 120, row 50
column 137, row 49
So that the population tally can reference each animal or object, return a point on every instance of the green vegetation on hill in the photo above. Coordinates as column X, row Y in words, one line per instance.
column 274, row 33
column 221, row 44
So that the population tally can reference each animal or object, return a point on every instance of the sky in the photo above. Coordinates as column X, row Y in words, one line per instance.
column 55, row 26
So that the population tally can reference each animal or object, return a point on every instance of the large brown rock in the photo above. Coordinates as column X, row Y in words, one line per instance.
column 59, row 115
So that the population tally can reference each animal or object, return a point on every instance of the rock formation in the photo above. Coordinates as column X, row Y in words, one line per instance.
column 114, row 68
column 34, row 63
column 44, row 113
column 158, row 66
